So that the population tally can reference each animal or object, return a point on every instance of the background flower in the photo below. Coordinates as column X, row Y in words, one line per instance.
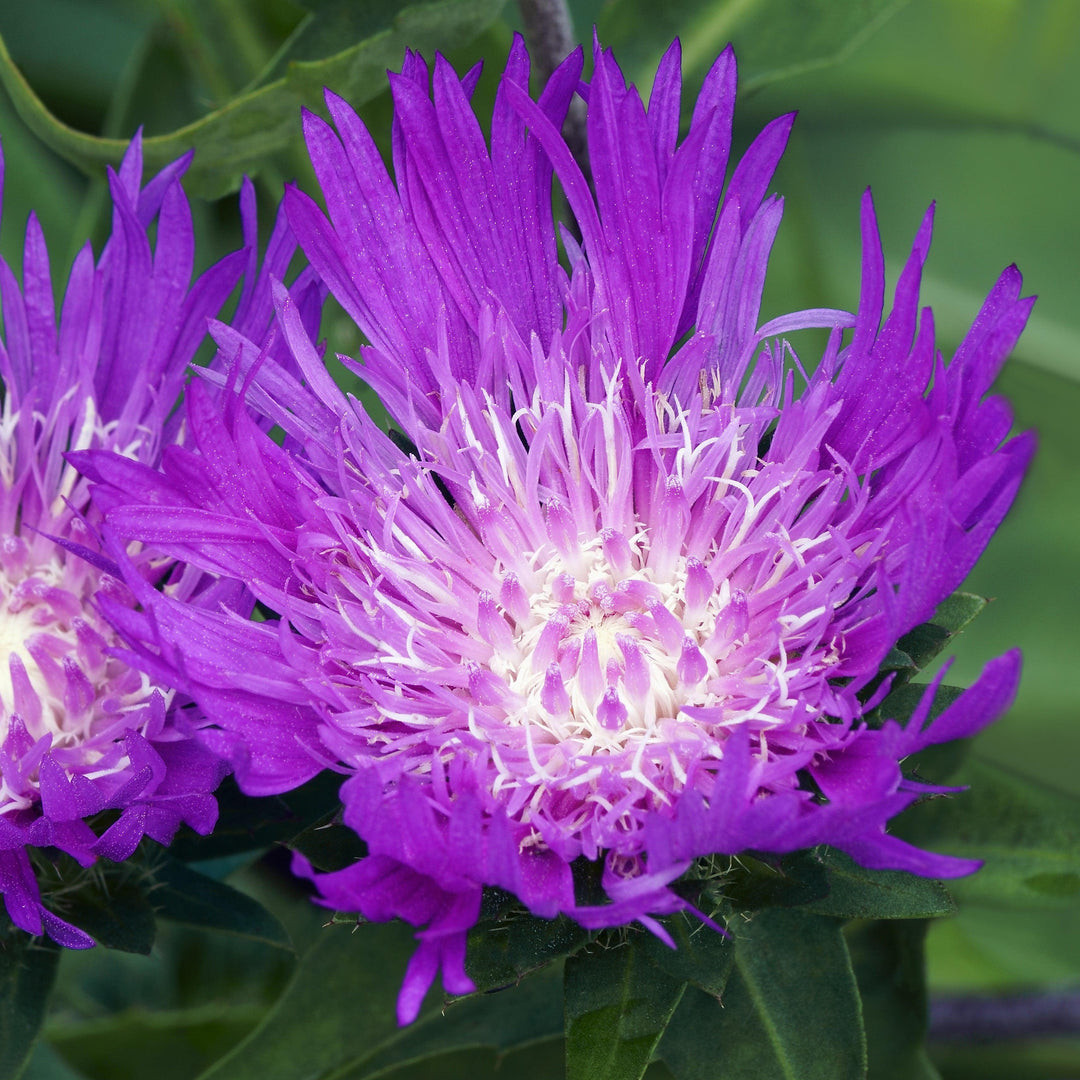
column 95, row 754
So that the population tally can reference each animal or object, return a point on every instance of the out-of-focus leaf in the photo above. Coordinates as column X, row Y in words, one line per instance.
column 165, row 1044
column 617, row 1006
column 193, row 899
column 1002, row 1061
column 240, row 135
column 46, row 1064
column 774, row 38
column 790, row 1010
column 74, row 52
column 1027, row 832
column 887, row 958
column 27, row 972
column 118, row 1016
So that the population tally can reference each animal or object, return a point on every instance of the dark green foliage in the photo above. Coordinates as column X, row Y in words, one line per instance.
column 361, row 42
column 888, row 961
column 617, row 1006
column 790, row 1009
column 27, row 971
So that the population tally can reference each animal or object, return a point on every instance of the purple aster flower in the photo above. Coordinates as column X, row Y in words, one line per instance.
column 617, row 589
column 82, row 732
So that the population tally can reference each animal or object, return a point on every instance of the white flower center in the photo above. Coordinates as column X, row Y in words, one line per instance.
column 602, row 653
column 55, row 672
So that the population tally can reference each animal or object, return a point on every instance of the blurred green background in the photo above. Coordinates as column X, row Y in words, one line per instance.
column 973, row 103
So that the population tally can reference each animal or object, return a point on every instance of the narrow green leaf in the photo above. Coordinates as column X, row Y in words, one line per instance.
column 887, row 958
column 790, row 1011
column 617, row 1006
column 27, row 972
column 953, row 614
column 904, row 700
column 193, row 899
column 918, row 648
column 774, row 38
column 897, row 660
column 1027, row 832
column 770, row 881
column 242, row 134
column 857, row 893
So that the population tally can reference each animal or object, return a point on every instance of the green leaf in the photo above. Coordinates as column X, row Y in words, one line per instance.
column 1027, row 832
column 113, row 907
column 770, row 881
column 790, row 1010
column 510, row 943
column 503, row 1021
column 617, row 1006
column 239, row 136
column 27, row 972
column 1004, row 1061
column 828, row 882
column 857, row 893
column 953, row 615
column 774, row 39
column 329, row 845
column 887, row 958
column 46, row 1064
column 339, row 1006
column 167, row 1044
column 193, row 899
column 701, row 957
column 336, row 1020
column 247, row 824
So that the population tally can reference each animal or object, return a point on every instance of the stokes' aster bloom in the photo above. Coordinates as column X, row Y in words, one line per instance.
column 619, row 591
column 82, row 732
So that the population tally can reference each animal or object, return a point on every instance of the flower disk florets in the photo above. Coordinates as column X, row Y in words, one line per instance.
column 629, row 604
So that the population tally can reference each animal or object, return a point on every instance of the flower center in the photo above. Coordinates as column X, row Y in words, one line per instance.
column 55, row 672
column 600, row 651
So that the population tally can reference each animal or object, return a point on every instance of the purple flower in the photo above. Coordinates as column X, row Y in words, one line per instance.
column 82, row 732
column 616, row 590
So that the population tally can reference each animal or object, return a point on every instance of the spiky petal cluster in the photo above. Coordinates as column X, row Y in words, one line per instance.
column 82, row 732
column 615, row 590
